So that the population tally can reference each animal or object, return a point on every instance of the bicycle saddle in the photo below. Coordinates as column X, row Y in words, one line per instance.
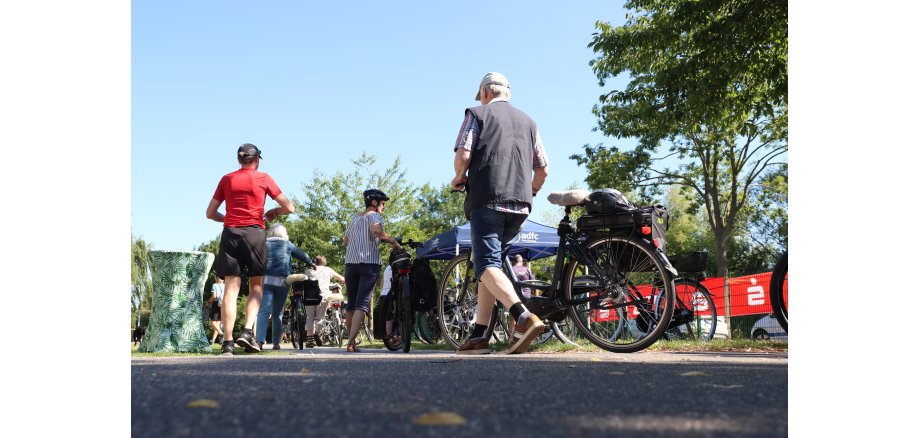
column 332, row 298
column 568, row 198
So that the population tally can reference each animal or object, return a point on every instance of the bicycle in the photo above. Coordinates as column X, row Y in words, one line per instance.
column 609, row 274
column 333, row 327
column 399, row 300
column 363, row 333
column 298, row 313
column 695, row 315
column 779, row 290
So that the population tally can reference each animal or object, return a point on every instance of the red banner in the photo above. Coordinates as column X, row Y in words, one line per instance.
column 749, row 295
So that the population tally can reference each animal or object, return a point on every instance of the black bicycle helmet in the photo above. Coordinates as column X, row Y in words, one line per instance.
column 374, row 195
column 607, row 201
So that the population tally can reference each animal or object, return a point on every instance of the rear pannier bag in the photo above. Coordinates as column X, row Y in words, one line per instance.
column 630, row 223
column 424, row 286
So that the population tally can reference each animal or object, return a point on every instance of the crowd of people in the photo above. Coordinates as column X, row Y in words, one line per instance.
column 499, row 160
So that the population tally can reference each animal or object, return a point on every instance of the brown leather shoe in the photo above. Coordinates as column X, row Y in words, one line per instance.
column 475, row 346
column 524, row 334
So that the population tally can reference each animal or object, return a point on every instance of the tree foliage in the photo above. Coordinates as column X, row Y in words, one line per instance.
column 141, row 282
column 706, row 101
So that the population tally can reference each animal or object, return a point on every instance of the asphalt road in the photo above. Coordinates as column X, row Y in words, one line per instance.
column 327, row 392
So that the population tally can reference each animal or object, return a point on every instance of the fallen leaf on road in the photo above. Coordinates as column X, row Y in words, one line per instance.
column 571, row 366
column 694, row 374
column 307, row 380
column 203, row 403
column 304, row 371
column 595, row 359
column 439, row 419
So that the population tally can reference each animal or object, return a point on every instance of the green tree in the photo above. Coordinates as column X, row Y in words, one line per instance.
column 141, row 283
column 707, row 92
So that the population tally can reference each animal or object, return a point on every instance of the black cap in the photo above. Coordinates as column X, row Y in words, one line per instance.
column 248, row 150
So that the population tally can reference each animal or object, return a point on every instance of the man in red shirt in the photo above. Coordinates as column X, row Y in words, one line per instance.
column 242, row 243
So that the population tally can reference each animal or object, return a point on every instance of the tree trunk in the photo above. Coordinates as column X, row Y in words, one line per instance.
column 721, row 244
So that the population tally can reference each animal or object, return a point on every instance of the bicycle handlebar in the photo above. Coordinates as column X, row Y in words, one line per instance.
column 410, row 243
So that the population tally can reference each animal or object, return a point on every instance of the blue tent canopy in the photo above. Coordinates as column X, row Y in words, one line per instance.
column 534, row 241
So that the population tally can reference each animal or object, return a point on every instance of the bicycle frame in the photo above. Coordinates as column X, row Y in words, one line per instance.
column 568, row 247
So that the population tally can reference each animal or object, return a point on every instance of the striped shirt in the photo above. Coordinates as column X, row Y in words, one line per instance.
column 362, row 244
column 469, row 137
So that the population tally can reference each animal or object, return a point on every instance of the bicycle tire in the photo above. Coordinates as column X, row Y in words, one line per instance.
column 565, row 331
column 298, row 325
column 389, row 313
column 693, row 304
column 779, row 290
column 405, row 313
column 629, row 328
column 458, row 302
column 426, row 330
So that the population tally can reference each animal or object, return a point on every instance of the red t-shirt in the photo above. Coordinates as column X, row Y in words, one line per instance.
column 244, row 191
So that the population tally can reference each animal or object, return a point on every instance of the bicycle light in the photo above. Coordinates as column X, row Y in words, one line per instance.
column 646, row 229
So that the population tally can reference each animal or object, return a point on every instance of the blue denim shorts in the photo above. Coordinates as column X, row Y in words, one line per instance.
column 491, row 233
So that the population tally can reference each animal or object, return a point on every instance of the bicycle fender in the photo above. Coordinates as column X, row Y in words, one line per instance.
column 667, row 263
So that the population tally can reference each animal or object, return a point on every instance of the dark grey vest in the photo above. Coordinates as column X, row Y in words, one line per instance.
column 501, row 164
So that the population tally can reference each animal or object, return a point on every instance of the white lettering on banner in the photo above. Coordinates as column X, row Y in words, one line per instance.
column 530, row 237
column 699, row 302
column 756, row 294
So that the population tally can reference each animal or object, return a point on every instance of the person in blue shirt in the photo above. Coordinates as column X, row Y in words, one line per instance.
column 279, row 251
column 214, row 303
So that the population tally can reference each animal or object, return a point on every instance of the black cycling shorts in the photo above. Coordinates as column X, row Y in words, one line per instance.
column 215, row 311
column 241, row 247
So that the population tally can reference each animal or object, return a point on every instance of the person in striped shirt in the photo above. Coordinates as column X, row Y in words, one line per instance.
column 362, row 260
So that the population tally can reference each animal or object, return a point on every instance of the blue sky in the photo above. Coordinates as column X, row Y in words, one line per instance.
column 315, row 84
column 101, row 101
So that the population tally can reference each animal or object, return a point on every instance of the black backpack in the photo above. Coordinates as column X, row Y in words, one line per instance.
column 310, row 289
column 424, row 286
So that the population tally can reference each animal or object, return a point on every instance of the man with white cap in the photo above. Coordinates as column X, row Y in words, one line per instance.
column 500, row 159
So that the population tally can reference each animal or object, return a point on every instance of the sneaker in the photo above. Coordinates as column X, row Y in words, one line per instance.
column 220, row 339
column 524, row 334
column 276, row 346
column 245, row 340
column 226, row 348
column 475, row 346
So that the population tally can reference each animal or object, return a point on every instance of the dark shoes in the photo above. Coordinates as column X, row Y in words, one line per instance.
column 247, row 342
column 226, row 348
column 316, row 339
column 276, row 346
column 524, row 334
column 475, row 346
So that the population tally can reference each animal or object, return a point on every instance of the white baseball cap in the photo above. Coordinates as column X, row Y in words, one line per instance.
column 493, row 78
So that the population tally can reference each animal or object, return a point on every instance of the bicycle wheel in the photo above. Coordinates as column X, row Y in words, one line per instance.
column 458, row 302
column 566, row 331
column 426, row 328
column 389, row 314
column 298, row 324
column 779, row 290
column 620, row 308
column 405, row 313
column 694, row 316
